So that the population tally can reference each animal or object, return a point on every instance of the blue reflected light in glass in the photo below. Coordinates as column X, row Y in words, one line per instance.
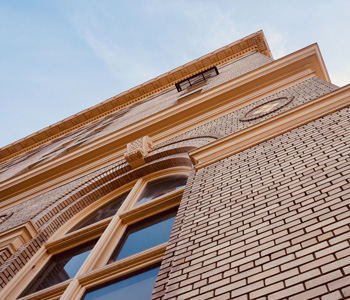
column 137, row 287
column 61, row 267
column 74, row 264
column 145, row 235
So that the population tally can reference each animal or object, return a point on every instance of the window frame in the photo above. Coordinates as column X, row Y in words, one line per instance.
column 202, row 77
column 95, row 270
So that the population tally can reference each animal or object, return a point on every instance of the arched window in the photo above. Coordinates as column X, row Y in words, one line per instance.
column 161, row 186
column 106, row 211
column 129, row 229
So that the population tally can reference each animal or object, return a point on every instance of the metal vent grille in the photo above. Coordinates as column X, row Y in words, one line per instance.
column 196, row 79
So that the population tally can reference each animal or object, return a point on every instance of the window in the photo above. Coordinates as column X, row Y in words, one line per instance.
column 130, row 229
column 196, row 79
column 138, row 286
column 145, row 234
column 108, row 210
column 61, row 267
column 162, row 186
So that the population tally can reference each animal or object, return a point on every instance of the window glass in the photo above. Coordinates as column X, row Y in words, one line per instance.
column 61, row 267
column 108, row 210
column 195, row 79
column 161, row 187
column 136, row 287
column 145, row 234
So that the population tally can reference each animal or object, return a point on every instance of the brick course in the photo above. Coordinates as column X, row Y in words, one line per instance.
column 271, row 221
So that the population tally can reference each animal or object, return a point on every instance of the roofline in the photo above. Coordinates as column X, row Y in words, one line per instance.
column 266, row 80
column 248, row 44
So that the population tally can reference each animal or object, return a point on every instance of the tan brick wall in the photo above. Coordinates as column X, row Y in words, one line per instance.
column 50, row 210
column 230, row 123
column 53, row 216
column 123, row 118
column 271, row 222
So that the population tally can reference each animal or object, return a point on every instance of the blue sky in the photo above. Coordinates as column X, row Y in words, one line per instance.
column 60, row 57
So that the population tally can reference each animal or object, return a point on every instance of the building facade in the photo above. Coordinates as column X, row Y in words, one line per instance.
column 225, row 178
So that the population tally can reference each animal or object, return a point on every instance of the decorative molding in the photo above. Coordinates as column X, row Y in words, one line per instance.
column 137, row 150
column 78, row 237
column 251, row 43
column 266, row 108
column 14, row 238
column 164, row 125
column 270, row 128
column 51, row 293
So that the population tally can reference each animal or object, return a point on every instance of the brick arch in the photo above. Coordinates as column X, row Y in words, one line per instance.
column 101, row 186
column 56, row 215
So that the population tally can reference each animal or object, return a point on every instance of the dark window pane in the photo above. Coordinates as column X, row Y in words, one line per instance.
column 136, row 287
column 61, row 267
column 108, row 210
column 161, row 187
column 195, row 79
column 145, row 234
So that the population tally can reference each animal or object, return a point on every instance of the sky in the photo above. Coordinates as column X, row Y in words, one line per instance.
column 58, row 58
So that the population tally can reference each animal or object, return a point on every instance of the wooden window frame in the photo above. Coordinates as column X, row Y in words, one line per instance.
column 95, row 270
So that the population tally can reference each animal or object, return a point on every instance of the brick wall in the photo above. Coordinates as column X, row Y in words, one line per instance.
column 123, row 118
column 230, row 123
column 50, row 218
column 234, row 212
column 271, row 222
column 44, row 204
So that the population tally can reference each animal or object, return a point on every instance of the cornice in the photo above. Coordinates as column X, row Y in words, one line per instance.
column 169, row 123
column 251, row 43
column 270, row 128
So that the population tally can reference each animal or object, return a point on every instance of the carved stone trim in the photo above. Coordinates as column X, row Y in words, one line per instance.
column 12, row 239
column 253, row 42
column 270, row 128
column 266, row 108
column 137, row 150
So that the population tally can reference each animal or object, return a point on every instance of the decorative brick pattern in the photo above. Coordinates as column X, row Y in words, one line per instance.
column 53, row 216
column 123, row 118
column 4, row 255
column 271, row 222
column 266, row 108
column 27, row 210
column 230, row 123
column 180, row 146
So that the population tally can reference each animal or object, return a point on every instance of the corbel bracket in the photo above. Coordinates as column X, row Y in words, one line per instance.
column 137, row 150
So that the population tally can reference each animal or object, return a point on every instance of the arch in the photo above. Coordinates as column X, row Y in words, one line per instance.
column 61, row 212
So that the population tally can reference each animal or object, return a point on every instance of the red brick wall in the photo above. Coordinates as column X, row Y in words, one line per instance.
column 271, row 222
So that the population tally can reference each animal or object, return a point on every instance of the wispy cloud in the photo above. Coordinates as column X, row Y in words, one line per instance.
column 126, row 65
column 63, row 50
column 139, row 57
